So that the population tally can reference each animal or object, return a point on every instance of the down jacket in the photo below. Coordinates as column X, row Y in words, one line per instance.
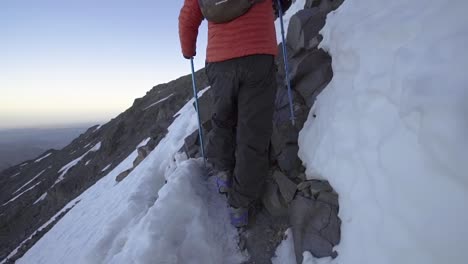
column 249, row 34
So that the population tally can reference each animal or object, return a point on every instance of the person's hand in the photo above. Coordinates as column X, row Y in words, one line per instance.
column 189, row 57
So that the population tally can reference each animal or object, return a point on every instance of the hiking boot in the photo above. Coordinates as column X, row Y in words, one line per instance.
column 239, row 216
column 224, row 181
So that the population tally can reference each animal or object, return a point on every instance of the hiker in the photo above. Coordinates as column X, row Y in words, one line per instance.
column 241, row 69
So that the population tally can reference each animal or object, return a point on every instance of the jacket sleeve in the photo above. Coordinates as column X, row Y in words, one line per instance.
column 190, row 18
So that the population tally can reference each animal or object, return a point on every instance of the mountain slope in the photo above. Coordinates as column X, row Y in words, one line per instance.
column 46, row 184
column 388, row 132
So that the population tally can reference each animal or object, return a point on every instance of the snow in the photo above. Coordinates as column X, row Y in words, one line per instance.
column 43, row 157
column 126, row 222
column 17, row 196
column 26, row 184
column 41, row 198
column 391, row 130
column 73, row 163
column 105, row 168
column 87, row 162
column 160, row 101
column 24, row 164
column 14, row 175
column 97, row 128
column 68, row 206
column 143, row 143
column 285, row 251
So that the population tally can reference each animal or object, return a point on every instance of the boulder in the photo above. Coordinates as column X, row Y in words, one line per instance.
column 303, row 30
column 123, row 175
column 273, row 201
column 306, row 63
column 288, row 160
column 143, row 152
column 287, row 187
column 314, row 82
column 315, row 226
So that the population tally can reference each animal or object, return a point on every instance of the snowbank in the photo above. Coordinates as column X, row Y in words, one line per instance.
column 391, row 130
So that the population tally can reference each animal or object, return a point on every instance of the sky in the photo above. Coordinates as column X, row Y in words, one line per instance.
column 65, row 62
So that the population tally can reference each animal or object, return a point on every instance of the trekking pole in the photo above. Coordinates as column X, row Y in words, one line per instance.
column 286, row 66
column 200, row 130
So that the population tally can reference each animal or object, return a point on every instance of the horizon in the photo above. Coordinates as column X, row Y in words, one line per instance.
column 84, row 62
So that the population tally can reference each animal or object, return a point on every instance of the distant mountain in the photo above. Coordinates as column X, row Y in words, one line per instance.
column 18, row 145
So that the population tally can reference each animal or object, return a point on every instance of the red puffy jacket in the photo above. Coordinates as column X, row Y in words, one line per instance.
column 249, row 34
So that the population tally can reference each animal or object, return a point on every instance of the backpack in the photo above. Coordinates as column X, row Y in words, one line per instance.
column 223, row 11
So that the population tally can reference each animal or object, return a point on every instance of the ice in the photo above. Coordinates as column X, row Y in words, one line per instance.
column 391, row 130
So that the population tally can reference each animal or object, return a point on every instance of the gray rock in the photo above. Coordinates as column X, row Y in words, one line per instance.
column 324, row 5
column 315, row 81
column 273, row 201
column 306, row 63
column 143, row 152
column 277, row 143
column 123, row 175
column 303, row 30
column 205, row 104
column 288, row 160
column 192, row 144
column 315, row 226
column 287, row 187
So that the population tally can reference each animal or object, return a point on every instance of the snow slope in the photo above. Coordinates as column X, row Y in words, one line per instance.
column 391, row 130
column 142, row 219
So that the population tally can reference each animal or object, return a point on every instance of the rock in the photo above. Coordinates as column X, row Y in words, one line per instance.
column 303, row 30
column 277, row 143
column 324, row 5
column 192, row 146
column 288, row 160
column 281, row 79
column 315, row 226
column 143, row 152
column 123, row 175
column 317, row 186
column 205, row 104
column 273, row 201
column 315, row 81
column 287, row 187
column 306, row 63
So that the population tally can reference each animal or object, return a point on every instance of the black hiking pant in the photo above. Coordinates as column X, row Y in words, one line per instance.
column 243, row 94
